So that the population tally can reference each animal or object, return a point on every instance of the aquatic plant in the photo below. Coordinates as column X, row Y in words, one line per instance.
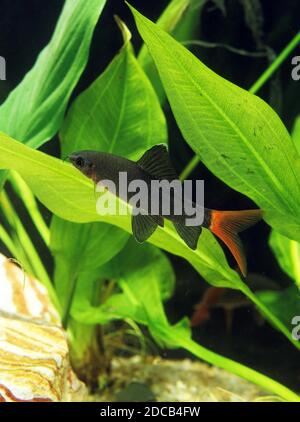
column 234, row 133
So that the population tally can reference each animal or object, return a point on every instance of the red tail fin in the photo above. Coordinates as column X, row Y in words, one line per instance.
column 227, row 224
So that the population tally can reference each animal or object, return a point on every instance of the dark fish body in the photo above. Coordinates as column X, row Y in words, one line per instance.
column 155, row 165
column 108, row 167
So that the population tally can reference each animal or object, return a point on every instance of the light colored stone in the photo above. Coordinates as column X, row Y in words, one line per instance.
column 34, row 355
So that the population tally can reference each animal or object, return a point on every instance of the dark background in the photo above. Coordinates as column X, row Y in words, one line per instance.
column 26, row 27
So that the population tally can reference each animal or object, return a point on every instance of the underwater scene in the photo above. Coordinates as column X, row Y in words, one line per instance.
column 149, row 203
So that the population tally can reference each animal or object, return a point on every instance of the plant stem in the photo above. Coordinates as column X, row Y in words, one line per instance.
column 276, row 64
column 71, row 291
column 8, row 242
column 234, row 367
column 189, row 168
column 195, row 161
column 170, row 335
column 228, row 47
column 264, row 309
column 33, row 262
column 31, row 205
column 264, row 77
column 18, row 246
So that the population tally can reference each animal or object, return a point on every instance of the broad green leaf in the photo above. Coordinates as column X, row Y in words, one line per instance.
column 285, row 304
column 34, row 110
column 136, row 262
column 296, row 133
column 180, row 18
column 287, row 253
column 118, row 113
column 141, row 301
column 136, row 266
column 70, row 195
column 236, row 134
column 78, row 248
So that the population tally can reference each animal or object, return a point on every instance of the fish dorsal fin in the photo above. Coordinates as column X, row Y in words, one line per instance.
column 156, row 162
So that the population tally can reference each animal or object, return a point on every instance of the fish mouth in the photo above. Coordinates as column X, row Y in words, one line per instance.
column 72, row 157
column 65, row 158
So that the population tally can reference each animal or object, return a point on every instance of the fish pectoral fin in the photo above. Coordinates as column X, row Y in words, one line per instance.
column 143, row 226
column 157, row 163
column 190, row 234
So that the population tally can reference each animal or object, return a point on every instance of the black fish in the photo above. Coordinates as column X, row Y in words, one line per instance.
column 155, row 165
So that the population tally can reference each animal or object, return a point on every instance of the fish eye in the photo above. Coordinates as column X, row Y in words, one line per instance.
column 79, row 162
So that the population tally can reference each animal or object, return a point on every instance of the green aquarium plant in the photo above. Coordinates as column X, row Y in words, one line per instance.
column 101, row 274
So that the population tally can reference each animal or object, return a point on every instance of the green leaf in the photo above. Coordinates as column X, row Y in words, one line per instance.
column 118, row 113
column 79, row 248
column 136, row 268
column 34, row 111
column 285, row 304
column 236, row 134
column 70, row 195
column 141, row 301
column 296, row 133
column 180, row 18
column 287, row 253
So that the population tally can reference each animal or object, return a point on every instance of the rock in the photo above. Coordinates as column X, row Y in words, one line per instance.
column 34, row 355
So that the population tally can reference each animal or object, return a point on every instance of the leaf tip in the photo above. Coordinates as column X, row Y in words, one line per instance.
column 133, row 10
column 124, row 29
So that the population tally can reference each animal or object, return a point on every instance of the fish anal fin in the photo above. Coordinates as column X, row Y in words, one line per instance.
column 143, row 226
column 158, row 219
column 157, row 163
column 190, row 234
